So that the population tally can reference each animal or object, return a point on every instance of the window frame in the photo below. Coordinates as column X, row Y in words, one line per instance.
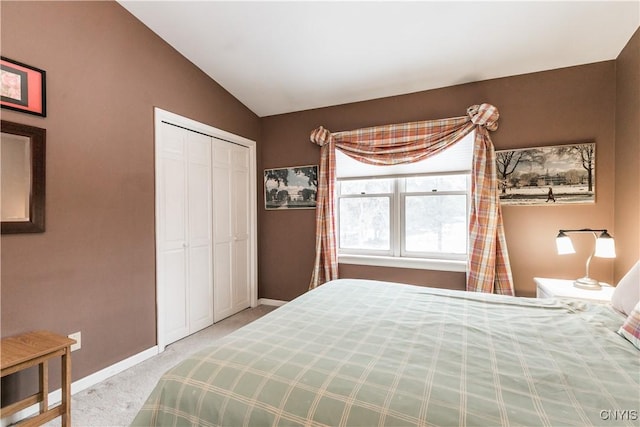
column 398, row 256
column 392, row 218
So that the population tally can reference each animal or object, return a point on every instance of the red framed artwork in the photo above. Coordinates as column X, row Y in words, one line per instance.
column 22, row 87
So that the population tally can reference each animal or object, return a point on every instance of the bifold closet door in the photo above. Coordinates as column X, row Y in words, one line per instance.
column 184, row 232
column 231, row 228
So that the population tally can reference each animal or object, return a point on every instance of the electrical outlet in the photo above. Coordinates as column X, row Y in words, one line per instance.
column 78, row 337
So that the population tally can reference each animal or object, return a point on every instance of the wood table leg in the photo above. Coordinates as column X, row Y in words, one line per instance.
column 44, row 386
column 66, row 388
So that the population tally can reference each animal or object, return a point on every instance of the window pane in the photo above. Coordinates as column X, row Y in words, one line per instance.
column 436, row 183
column 436, row 224
column 366, row 186
column 364, row 223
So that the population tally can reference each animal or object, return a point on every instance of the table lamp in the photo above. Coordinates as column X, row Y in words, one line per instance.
column 604, row 248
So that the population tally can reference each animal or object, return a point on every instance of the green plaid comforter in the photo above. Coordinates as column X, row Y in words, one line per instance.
column 367, row 353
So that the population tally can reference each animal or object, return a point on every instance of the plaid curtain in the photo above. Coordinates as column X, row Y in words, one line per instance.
column 488, row 268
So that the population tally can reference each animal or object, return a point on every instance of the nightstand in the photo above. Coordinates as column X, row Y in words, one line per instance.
column 561, row 288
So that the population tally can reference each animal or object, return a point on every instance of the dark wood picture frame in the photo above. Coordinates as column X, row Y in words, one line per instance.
column 37, row 138
column 23, row 87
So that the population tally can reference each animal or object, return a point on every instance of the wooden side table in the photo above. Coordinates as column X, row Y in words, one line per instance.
column 36, row 348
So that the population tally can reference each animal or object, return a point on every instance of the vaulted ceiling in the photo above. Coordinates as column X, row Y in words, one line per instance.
column 279, row 57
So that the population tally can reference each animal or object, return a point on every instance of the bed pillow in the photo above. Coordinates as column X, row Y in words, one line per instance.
column 631, row 327
column 627, row 294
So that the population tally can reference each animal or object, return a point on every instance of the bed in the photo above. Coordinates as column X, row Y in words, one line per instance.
column 370, row 353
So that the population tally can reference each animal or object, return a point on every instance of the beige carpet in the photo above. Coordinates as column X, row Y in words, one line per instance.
column 116, row 401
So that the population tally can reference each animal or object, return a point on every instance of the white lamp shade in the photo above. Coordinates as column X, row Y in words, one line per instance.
column 605, row 247
column 564, row 245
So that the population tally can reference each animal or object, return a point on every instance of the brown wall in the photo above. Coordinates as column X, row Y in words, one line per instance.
column 556, row 107
column 627, row 165
column 93, row 270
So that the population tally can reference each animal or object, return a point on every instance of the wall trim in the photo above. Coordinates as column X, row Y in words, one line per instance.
column 55, row 396
column 275, row 302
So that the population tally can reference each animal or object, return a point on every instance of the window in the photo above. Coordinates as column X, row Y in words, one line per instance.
column 364, row 215
column 435, row 219
column 406, row 215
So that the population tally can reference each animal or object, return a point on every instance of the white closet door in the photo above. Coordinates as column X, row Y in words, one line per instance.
column 184, row 230
column 200, row 243
column 240, row 190
column 231, row 228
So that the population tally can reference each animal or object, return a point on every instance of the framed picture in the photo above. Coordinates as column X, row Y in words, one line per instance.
column 291, row 188
column 551, row 175
column 22, row 87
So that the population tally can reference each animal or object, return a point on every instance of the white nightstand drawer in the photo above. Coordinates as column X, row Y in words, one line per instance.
column 561, row 288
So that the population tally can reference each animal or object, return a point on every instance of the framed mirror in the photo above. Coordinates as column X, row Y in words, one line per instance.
column 22, row 178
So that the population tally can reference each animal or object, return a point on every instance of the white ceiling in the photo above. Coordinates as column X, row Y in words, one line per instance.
column 279, row 57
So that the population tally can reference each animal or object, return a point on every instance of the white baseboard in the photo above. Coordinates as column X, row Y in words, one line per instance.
column 55, row 396
column 109, row 371
column 275, row 302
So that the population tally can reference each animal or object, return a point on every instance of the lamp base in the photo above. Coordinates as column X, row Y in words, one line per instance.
column 587, row 283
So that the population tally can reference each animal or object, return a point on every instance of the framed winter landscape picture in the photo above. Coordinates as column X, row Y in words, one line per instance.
column 291, row 188
column 551, row 175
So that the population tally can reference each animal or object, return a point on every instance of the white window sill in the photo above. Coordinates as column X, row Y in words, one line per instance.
column 401, row 262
